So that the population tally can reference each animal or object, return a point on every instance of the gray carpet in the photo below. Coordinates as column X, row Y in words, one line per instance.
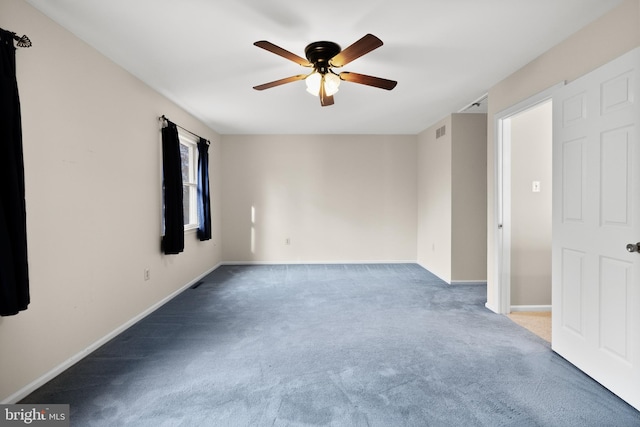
column 341, row 345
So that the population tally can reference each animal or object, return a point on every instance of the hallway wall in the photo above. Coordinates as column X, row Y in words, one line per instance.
column 531, row 143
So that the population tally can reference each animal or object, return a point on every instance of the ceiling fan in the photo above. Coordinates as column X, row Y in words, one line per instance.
column 323, row 56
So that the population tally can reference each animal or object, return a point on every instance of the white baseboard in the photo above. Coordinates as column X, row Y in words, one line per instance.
column 530, row 308
column 302, row 262
column 468, row 282
column 31, row 387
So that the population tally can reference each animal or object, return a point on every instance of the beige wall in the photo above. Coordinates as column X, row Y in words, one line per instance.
column 452, row 199
column 434, row 200
column 93, row 179
column 531, row 142
column 469, row 198
column 338, row 198
column 598, row 43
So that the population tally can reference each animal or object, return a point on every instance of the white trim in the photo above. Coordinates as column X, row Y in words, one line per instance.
column 468, row 282
column 504, row 201
column 502, row 235
column 191, row 142
column 515, row 308
column 333, row 262
column 38, row 382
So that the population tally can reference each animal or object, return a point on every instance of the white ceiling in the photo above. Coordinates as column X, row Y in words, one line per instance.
column 445, row 54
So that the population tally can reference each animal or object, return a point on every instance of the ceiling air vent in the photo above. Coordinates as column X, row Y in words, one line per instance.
column 441, row 131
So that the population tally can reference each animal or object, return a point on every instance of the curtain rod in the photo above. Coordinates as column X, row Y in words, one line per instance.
column 163, row 117
column 22, row 41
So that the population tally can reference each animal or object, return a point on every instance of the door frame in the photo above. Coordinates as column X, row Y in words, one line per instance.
column 502, row 199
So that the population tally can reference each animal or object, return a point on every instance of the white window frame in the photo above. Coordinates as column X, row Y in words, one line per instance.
column 190, row 142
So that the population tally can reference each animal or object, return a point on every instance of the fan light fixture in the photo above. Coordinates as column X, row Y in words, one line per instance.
column 323, row 56
column 330, row 80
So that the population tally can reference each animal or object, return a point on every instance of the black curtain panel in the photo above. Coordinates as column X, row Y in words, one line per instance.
column 173, row 239
column 14, row 273
column 204, row 206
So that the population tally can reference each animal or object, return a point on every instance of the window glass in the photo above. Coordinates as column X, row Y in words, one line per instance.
column 189, row 157
column 184, row 155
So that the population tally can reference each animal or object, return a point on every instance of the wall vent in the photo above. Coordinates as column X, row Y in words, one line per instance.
column 441, row 131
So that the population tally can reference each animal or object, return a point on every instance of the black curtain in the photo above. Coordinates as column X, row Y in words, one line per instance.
column 173, row 239
column 14, row 273
column 204, row 205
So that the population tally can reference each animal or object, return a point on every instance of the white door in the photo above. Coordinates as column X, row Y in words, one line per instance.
column 596, row 213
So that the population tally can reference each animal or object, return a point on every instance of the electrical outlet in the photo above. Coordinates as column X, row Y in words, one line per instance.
column 287, row 241
column 147, row 274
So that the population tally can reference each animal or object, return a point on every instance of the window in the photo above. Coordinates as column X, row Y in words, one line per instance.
column 189, row 157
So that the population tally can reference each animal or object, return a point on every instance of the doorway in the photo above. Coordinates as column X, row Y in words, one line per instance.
column 523, row 197
column 531, row 175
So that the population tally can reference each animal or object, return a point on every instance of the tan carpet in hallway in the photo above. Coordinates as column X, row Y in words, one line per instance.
column 538, row 322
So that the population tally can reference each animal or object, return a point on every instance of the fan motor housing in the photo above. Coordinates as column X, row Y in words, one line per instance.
column 319, row 53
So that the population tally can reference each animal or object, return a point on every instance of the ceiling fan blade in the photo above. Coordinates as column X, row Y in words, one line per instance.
column 365, row 45
column 282, row 52
column 280, row 82
column 368, row 80
column 325, row 100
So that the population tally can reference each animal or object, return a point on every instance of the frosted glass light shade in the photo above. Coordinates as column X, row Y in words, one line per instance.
column 313, row 83
column 331, row 83
column 330, row 80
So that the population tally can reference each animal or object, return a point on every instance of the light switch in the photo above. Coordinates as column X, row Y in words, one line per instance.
column 535, row 186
